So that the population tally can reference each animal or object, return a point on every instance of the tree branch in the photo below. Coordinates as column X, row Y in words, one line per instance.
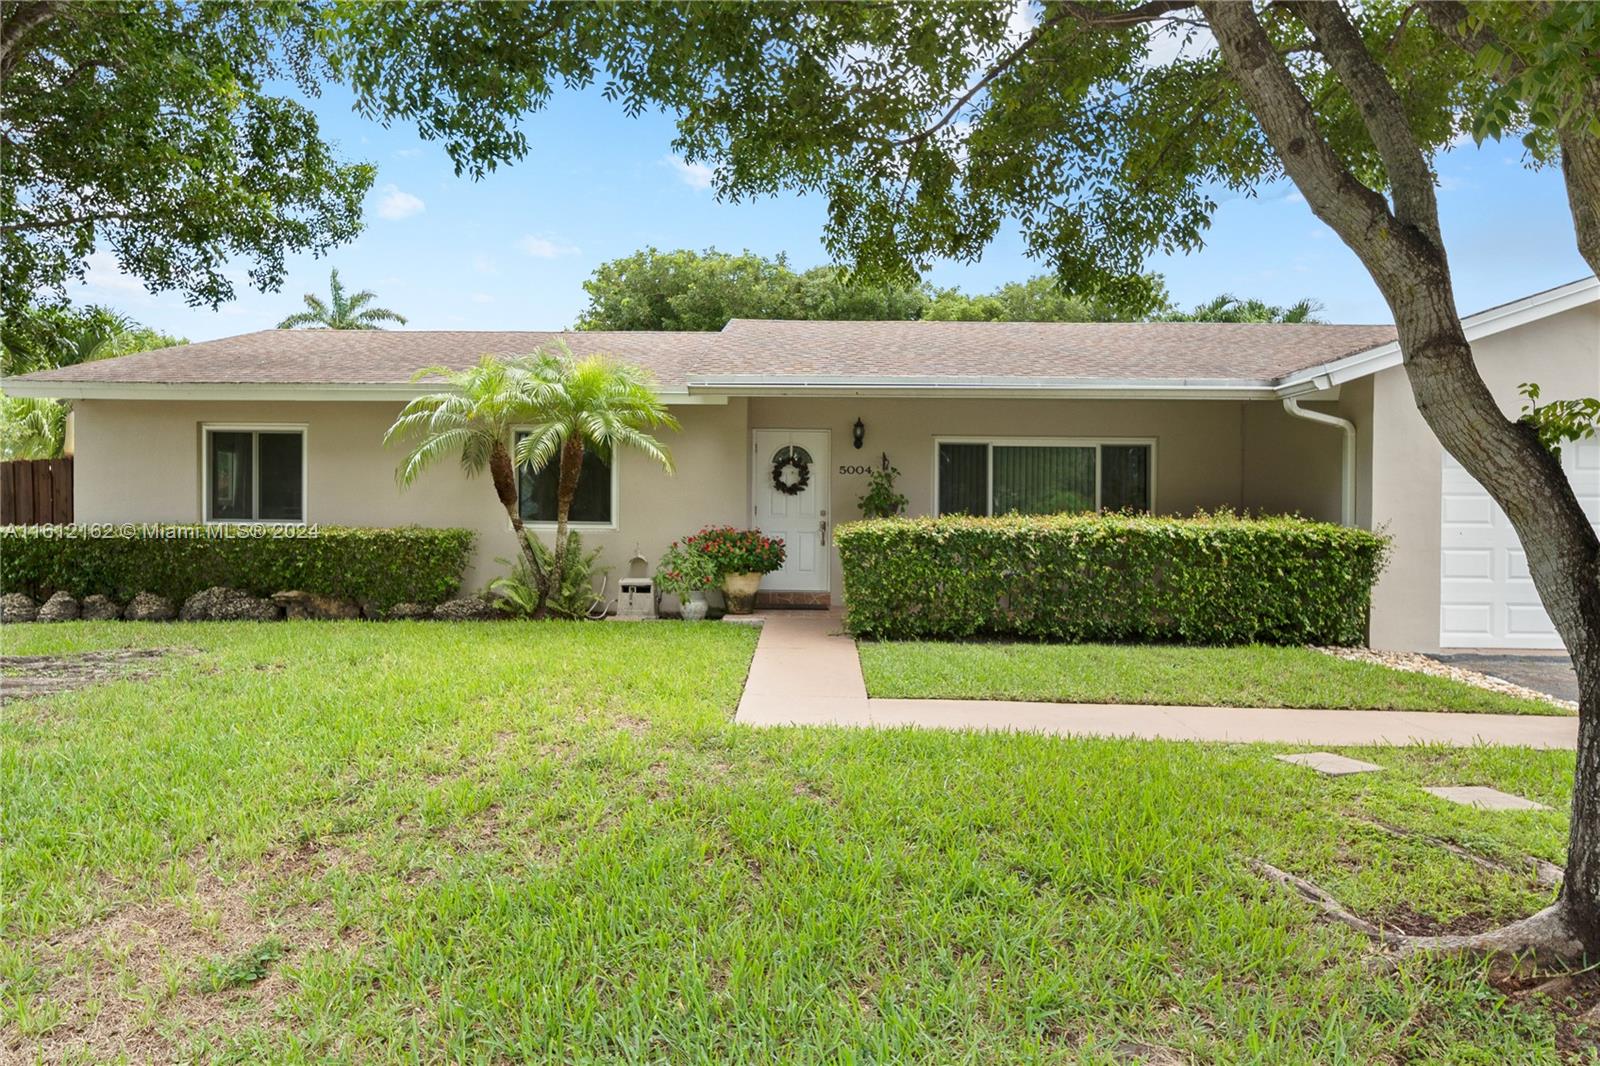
column 1382, row 113
column 17, row 19
column 63, row 223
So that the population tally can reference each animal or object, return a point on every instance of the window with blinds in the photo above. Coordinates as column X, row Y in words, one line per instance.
column 1043, row 477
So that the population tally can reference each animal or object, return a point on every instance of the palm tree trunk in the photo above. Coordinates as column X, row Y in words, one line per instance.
column 566, row 490
column 502, row 471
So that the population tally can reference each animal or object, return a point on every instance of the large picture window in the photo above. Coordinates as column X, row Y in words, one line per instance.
column 999, row 477
column 593, row 505
column 255, row 475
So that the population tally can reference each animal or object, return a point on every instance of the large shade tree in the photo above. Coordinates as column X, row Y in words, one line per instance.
column 160, row 134
column 926, row 125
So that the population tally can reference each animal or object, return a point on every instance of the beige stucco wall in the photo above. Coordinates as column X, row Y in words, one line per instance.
column 1561, row 353
column 140, row 462
column 1198, row 459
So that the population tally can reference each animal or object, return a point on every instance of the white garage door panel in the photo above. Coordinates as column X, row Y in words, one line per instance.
column 1486, row 597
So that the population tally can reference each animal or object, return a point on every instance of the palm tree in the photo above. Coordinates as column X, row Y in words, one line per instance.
column 341, row 311
column 581, row 404
column 566, row 405
column 32, row 428
column 1230, row 308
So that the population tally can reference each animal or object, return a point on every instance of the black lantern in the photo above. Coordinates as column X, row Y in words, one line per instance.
column 858, row 433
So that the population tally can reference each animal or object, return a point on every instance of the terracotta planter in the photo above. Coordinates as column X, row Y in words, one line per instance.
column 740, row 589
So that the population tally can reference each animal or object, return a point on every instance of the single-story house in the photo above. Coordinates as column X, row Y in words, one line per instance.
column 283, row 426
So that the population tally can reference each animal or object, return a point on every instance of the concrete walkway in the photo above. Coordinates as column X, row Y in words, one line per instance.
column 806, row 672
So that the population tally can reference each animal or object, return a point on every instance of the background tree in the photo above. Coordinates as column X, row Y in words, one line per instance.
column 341, row 311
column 925, row 126
column 687, row 290
column 1230, row 308
column 42, row 338
column 151, row 131
column 579, row 405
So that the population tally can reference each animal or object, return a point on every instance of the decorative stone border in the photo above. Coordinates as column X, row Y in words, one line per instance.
column 1417, row 663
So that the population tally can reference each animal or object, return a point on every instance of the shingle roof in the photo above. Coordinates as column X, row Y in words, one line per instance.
column 748, row 351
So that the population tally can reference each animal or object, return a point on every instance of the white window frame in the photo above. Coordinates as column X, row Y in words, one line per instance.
column 616, row 493
column 1044, row 442
column 208, row 428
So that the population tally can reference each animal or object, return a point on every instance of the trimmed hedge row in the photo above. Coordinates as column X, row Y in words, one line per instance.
column 376, row 567
column 1210, row 579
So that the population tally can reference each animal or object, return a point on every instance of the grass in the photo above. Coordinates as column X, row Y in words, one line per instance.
column 1253, row 676
column 549, row 842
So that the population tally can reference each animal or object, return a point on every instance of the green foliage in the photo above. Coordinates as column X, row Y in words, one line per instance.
column 1559, row 421
column 375, row 567
column 32, row 428
column 737, row 551
column 881, row 500
column 684, row 568
column 686, row 290
column 341, row 310
column 1230, row 308
column 245, row 968
column 158, row 134
column 1040, row 299
column 575, row 598
column 1545, row 62
column 45, row 337
column 1211, row 579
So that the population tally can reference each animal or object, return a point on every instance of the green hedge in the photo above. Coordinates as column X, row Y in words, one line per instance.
column 1211, row 579
column 376, row 567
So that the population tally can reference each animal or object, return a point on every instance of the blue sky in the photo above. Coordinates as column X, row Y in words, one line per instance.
column 512, row 251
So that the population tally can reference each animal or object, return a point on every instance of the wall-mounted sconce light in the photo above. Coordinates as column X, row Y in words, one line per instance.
column 858, row 433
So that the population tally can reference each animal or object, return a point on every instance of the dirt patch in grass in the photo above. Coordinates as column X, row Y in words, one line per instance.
column 24, row 676
column 136, row 982
column 1573, row 1001
column 1404, row 918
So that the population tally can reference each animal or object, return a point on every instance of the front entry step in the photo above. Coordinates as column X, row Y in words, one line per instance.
column 811, row 601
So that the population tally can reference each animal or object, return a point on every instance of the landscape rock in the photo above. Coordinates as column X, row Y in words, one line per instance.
column 148, row 607
column 17, row 607
column 468, row 609
column 408, row 612
column 58, row 608
column 98, row 608
column 302, row 605
column 220, row 604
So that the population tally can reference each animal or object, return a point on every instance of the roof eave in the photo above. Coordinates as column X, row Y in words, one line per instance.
column 250, row 391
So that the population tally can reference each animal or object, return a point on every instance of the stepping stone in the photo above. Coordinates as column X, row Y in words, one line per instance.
column 1326, row 762
column 1485, row 799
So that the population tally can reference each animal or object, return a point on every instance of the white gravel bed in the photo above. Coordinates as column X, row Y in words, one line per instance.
column 1418, row 663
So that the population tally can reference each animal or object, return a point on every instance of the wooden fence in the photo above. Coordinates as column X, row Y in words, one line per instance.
column 36, row 492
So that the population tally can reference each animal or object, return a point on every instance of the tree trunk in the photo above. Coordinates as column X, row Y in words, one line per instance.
column 503, row 472
column 566, row 490
column 1403, row 251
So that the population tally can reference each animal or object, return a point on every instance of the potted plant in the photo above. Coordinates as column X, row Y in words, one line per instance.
column 687, row 573
column 739, row 558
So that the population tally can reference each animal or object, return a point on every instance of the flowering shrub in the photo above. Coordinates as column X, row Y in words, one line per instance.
column 738, row 551
column 684, row 568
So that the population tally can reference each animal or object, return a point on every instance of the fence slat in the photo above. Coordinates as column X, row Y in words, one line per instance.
column 36, row 492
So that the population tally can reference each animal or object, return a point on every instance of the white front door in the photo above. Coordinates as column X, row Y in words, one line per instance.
column 798, row 510
column 1486, row 597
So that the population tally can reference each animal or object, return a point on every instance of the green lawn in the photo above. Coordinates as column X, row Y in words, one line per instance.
column 1254, row 676
column 520, row 842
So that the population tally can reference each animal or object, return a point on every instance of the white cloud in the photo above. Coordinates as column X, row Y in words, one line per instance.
column 408, row 153
column 1169, row 42
column 694, row 175
column 544, row 247
column 484, row 264
column 395, row 203
column 104, row 272
column 1295, row 197
column 481, row 298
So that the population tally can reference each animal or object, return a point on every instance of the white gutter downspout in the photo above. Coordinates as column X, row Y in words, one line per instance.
column 1347, row 470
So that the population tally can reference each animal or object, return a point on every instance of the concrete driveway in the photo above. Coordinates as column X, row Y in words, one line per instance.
column 1549, row 672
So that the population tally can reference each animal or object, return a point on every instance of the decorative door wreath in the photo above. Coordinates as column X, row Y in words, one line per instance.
column 791, row 458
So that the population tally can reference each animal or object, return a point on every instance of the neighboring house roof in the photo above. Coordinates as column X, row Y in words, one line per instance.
column 750, row 357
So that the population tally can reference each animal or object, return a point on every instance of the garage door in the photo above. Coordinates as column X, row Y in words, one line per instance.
column 1486, row 598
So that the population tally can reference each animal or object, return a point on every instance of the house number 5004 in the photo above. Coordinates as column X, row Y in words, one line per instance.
column 847, row 470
